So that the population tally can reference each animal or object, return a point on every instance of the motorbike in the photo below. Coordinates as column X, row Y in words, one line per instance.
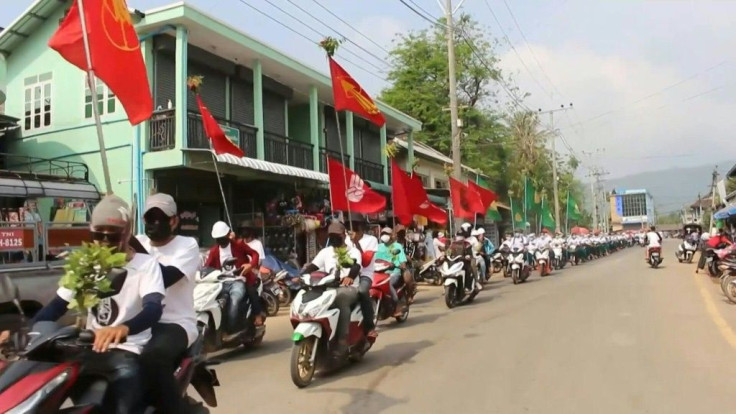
column 210, row 304
column 384, row 305
column 573, row 252
column 429, row 272
column 498, row 261
column 52, row 371
column 453, row 272
column 713, row 261
column 559, row 261
column 518, row 268
column 270, row 294
column 686, row 251
column 655, row 257
column 532, row 250
column 285, row 274
column 315, row 323
column 542, row 257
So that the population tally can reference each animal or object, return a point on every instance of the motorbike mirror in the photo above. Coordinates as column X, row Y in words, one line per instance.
column 8, row 290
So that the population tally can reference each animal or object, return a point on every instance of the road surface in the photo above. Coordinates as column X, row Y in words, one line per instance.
column 611, row 336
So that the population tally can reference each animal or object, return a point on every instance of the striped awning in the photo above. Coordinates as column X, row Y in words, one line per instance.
column 272, row 167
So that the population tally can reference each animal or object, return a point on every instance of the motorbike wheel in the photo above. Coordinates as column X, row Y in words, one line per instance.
column 286, row 295
column 272, row 303
column 731, row 291
column 405, row 314
column 515, row 276
column 302, row 370
column 450, row 300
column 437, row 279
column 725, row 280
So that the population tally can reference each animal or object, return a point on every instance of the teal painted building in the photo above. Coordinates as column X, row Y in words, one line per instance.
column 275, row 108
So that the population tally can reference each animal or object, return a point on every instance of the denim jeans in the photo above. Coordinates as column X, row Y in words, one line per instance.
column 237, row 291
column 122, row 369
column 366, row 303
column 393, row 280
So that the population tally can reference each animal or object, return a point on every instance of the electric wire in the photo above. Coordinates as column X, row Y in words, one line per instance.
column 351, row 26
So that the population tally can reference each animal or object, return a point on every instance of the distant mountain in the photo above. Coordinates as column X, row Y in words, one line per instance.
column 671, row 188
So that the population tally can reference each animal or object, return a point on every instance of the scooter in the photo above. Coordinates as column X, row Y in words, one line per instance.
column 52, row 370
column 573, row 252
column 686, row 251
column 518, row 268
column 315, row 324
column 453, row 272
column 381, row 293
column 655, row 257
column 285, row 274
column 498, row 261
column 429, row 272
column 542, row 257
column 559, row 261
column 532, row 250
column 210, row 304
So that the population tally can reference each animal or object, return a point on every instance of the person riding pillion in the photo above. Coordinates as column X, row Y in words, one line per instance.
column 367, row 245
column 393, row 252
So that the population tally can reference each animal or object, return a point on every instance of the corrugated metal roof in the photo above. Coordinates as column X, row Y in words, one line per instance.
column 273, row 168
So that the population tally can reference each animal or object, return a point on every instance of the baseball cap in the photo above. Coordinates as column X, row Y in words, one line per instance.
column 111, row 211
column 336, row 227
column 161, row 201
column 387, row 230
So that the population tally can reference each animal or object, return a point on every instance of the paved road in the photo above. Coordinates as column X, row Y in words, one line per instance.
column 612, row 336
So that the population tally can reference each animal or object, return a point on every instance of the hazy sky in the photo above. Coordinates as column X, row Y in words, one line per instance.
column 651, row 81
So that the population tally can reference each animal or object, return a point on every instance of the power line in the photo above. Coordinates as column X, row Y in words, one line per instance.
column 518, row 56
column 322, row 35
column 302, row 35
column 421, row 8
column 418, row 13
column 338, row 33
column 521, row 32
column 350, row 26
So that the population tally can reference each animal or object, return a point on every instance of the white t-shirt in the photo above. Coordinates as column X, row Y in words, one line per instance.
column 225, row 253
column 256, row 245
column 143, row 278
column 182, row 253
column 368, row 243
column 326, row 260
column 653, row 239
column 437, row 246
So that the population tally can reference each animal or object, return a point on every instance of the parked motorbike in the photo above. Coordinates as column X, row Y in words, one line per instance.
column 712, row 262
column 210, row 303
column 53, row 371
column 542, row 257
column 430, row 272
column 518, row 268
column 453, row 272
column 315, row 323
column 270, row 294
column 655, row 257
column 384, row 305
column 686, row 251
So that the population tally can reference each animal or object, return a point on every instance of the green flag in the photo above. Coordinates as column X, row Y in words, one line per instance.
column 548, row 220
column 493, row 213
column 532, row 197
column 573, row 211
column 517, row 214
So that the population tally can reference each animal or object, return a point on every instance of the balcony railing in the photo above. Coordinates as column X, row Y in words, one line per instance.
column 369, row 170
column 324, row 152
column 162, row 130
column 243, row 135
column 282, row 150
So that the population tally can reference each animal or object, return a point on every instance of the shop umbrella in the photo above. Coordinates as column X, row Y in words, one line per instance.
column 579, row 230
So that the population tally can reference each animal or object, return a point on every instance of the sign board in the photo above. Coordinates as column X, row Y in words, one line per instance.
column 634, row 219
column 619, row 206
column 233, row 134
column 11, row 239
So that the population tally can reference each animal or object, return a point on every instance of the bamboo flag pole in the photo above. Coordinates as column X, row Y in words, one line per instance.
column 219, row 182
column 342, row 159
column 92, row 84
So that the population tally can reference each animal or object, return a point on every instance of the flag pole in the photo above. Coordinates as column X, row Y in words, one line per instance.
column 525, row 202
column 513, row 219
column 92, row 84
column 567, row 213
column 342, row 158
column 219, row 181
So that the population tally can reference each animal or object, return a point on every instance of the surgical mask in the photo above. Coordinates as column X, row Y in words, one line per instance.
column 223, row 241
column 385, row 238
column 158, row 231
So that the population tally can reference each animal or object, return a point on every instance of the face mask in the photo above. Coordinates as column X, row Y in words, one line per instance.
column 158, row 231
column 223, row 241
column 335, row 240
column 385, row 238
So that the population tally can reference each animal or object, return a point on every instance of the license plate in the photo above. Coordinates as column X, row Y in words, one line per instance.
column 276, row 291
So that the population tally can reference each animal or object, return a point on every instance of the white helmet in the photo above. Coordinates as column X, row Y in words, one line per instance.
column 220, row 229
column 466, row 226
column 474, row 232
column 481, row 231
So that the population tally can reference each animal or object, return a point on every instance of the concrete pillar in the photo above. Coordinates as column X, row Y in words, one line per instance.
column 258, row 107
column 181, row 90
column 314, row 123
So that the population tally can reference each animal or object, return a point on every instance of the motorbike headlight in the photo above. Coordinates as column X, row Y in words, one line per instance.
column 32, row 402
column 314, row 308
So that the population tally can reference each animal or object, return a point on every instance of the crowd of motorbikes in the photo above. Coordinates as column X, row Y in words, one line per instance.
column 45, row 366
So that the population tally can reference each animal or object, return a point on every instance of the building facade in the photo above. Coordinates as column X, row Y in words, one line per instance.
column 631, row 209
column 278, row 110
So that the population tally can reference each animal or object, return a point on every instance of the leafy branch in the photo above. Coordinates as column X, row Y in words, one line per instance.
column 85, row 274
column 330, row 45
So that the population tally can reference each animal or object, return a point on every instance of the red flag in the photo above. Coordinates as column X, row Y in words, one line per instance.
column 487, row 196
column 349, row 96
column 465, row 202
column 357, row 195
column 220, row 143
column 401, row 185
column 114, row 49
column 423, row 206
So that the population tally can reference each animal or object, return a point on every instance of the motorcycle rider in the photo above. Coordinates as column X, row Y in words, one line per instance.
column 461, row 247
column 327, row 261
column 544, row 241
column 226, row 247
column 250, row 237
column 653, row 239
column 367, row 244
column 559, row 243
column 178, row 257
column 122, row 323
column 393, row 252
column 439, row 244
column 487, row 247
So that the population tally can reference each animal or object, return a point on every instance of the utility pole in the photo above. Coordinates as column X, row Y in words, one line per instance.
column 599, row 219
column 553, row 137
column 713, row 199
